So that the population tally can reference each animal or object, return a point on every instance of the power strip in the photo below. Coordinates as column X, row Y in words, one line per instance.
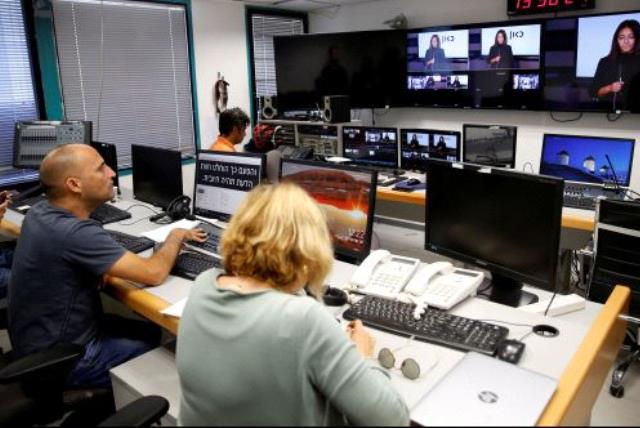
column 562, row 304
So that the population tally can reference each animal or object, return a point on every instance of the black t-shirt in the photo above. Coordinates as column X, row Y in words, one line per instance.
column 53, row 291
column 610, row 70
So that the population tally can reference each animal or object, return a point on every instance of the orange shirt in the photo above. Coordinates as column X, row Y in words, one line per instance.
column 222, row 145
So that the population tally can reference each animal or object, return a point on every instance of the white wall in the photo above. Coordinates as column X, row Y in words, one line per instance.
column 531, row 125
column 220, row 45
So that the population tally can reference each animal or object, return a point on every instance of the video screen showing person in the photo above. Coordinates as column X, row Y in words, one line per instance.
column 584, row 159
column 514, row 47
column 417, row 145
column 593, row 63
column 345, row 196
column 490, row 145
column 433, row 55
column 526, row 82
column 371, row 146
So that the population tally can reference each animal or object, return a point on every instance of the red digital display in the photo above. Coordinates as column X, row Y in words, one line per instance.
column 521, row 7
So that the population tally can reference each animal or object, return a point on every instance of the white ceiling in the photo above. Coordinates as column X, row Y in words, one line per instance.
column 302, row 5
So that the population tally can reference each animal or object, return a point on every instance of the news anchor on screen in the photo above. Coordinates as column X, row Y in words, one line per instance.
column 501, row 54
column 434, row 57
column 616, row 70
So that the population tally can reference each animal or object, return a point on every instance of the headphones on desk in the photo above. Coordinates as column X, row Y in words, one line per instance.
column 178, row 209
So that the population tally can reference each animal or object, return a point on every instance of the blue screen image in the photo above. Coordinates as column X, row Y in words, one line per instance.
column 584, row 159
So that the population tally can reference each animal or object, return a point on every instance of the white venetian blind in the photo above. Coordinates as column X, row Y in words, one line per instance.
column 124, row 65
column 264, row 28
column 17, row 95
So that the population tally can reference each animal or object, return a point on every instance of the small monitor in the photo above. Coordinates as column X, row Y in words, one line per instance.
column 223, row 180
column 157, row 175
column 110, row 156
column 491, row 145
column 371, row 146
column 347, row 197
column 420, row 144
column 587, row 159
column 504, row 221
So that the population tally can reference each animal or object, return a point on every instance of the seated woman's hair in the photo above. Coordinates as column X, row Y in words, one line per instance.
column 279, row 236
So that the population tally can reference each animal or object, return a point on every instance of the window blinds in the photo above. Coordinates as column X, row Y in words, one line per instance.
column 264, row 27
column 17, row 95
column 124, row 65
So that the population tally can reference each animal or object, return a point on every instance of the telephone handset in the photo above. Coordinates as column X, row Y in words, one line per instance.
column 442, row 285
column 384, row 274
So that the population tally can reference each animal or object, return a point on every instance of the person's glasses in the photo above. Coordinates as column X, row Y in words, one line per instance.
column 409, row 367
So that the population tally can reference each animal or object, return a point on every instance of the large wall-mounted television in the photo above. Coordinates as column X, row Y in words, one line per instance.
column 592, row 63
column 368, row 66
column 495, row 65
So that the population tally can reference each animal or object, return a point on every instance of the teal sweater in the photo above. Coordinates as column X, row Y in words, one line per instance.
column 272, row 358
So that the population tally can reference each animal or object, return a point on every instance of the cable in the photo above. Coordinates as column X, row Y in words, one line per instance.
column 134, row 222
column 575, row 119
column 634, row 193
column 524, row 167
column 546, row 311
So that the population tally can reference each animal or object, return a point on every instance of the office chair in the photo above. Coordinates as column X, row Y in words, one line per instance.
column 617, row 262
column 32, row 392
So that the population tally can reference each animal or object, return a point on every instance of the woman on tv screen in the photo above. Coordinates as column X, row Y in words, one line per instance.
column 617, row 71
column 434, row 57
column 501, row 54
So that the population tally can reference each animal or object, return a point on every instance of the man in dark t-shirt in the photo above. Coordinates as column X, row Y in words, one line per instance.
column 59, row 266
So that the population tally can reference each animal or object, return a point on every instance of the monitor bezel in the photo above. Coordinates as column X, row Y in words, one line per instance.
column 633, row 146
column 222, row 216
column 548, row 283
column 514, row 147
column 429, row 131
column 340, row 253
column 369, row 164
column 101, row 147
column 176, row 154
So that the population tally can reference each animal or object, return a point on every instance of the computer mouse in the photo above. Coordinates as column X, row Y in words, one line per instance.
column 412, row 181
column 510, row 350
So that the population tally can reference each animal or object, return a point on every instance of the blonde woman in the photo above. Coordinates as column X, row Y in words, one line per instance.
column 253, row 349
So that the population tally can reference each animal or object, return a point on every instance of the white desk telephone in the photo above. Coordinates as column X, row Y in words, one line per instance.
column 438, row 284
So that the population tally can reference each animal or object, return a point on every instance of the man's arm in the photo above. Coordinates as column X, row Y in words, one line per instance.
column 155, row 269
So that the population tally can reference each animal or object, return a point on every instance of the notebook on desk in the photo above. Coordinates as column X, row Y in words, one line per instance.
column 484, row 391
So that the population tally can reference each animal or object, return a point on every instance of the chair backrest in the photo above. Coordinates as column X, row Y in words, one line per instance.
column 617, row 251
column 582, row 380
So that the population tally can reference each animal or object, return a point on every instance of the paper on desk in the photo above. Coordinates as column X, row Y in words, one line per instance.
column 160, row 234
column 176, row 309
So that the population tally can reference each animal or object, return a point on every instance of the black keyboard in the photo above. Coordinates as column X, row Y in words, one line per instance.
column 213, row 238
column 106, row 214
column 189, row 265
column 435, row 326
column 135, row 244
column 579, row 201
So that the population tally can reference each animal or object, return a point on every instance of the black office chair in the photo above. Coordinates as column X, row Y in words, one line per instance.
column 32, row 392
column 617, row 261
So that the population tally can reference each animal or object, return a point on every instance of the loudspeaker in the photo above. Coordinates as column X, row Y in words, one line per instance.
column 269, row 107
column 337, row 109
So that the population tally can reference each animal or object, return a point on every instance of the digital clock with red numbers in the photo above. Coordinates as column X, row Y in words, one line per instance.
column 523, row 7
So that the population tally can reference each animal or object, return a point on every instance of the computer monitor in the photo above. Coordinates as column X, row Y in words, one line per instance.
column 223, row 180
column 504, row 221
column 110, row 156
column 347, row 197
column 491, row 145
column 584, row 158
column 371, row 146
column 157, row 175
column 420, row 144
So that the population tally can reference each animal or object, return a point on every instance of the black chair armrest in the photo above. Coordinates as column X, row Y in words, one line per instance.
column 57, row 359
column 141, row 413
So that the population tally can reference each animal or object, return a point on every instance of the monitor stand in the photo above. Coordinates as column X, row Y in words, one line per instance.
column 507, row 291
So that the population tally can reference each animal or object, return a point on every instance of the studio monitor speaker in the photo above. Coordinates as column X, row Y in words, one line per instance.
column 337, row 109
column 269, row 107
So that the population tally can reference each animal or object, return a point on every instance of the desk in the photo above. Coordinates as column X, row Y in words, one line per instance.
column 550, row 356
column 572, row 218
